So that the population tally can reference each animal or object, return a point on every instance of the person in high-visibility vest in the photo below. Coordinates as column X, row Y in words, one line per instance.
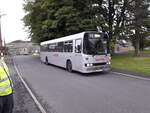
column 6, row 89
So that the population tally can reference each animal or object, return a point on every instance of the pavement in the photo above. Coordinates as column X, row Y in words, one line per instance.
column 131, row 73
column 23, row 103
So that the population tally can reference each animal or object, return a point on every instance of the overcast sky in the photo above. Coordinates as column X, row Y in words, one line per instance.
column 11, row 24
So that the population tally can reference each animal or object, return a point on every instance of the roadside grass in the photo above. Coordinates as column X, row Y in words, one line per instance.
column 129, row 63
column 144, row 51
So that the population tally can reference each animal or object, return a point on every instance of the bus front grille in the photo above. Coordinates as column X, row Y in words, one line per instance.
column 99, row 64
column 96, row 68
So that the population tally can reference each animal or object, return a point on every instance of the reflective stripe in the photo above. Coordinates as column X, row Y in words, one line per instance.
column 4, row 79
column 4, row 88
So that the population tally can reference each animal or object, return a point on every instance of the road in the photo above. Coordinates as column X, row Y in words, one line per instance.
column 62, row 92
column 23, row 103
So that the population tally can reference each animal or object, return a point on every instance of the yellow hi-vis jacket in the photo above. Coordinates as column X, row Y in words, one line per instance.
column 5, row 82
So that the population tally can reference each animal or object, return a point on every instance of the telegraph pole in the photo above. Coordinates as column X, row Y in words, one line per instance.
column 1, row 44
column 0, row 33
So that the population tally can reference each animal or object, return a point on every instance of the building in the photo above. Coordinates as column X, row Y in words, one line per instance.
column 123, row 46
column 22, row 48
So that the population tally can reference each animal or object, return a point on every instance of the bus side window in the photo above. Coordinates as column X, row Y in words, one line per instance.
column 78, row 46
column 68, row 46
column 60, row 46
column 65, row 47
column 44, row 47
column 49, row 47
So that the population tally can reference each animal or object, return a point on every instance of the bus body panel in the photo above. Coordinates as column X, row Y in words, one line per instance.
column 78, row 60
column 100, row 61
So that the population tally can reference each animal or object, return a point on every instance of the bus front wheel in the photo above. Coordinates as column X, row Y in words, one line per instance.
column 69, row 66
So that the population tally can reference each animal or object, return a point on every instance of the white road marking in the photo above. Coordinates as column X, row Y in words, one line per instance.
column 30, row 92
column 131, row 76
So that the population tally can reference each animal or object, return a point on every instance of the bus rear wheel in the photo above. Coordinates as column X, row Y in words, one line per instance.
column 46, row 61
column 69, row 66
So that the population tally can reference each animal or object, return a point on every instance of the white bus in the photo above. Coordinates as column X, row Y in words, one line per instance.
column 84, row 52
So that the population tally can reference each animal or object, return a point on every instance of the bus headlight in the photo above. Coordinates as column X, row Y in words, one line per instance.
column 88, row 65
column 108, row 63
column 91, row 64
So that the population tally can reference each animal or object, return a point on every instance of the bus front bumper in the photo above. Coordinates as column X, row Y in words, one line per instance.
column 96, row 69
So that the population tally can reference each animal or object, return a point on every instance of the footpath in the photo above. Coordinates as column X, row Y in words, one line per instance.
column 23, row 103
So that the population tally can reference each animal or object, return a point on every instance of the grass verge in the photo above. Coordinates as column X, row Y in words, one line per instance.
column 144, row 51
column 129, row 63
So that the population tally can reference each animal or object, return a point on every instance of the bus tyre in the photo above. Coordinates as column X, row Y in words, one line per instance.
column 46, row 61
column 69, row 66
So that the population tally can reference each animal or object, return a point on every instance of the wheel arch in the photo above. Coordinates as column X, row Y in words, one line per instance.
column 46, row 60
column 69, row 60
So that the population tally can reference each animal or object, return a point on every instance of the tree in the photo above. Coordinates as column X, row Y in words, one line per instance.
column 138, row 23
column 49, row 19
column 111, row 16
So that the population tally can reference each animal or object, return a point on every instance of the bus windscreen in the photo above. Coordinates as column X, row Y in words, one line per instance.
column 93, row 44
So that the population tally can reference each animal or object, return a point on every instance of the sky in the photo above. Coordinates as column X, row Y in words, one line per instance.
column 12, row 26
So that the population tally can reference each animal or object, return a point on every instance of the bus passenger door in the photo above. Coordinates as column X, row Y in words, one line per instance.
column 78, row 55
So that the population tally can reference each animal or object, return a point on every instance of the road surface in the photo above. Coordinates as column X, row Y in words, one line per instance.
column 62, row 92
column 23, row 103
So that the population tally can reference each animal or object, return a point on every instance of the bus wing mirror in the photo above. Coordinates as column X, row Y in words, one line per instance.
column 106, row 36
column 78, row 48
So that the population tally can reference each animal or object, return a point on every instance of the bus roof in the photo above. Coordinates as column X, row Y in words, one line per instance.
column 67, row 38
